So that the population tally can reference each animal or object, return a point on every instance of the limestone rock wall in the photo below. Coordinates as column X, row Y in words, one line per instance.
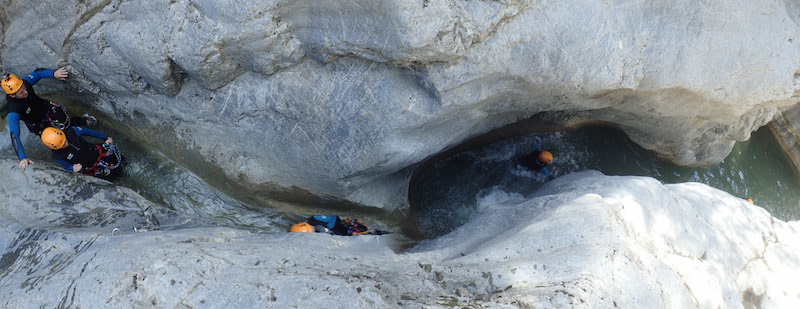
column 583, row 240
column 786, row 127
column 341, row 99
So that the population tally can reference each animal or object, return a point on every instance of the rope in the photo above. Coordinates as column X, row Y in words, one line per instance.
column 55, row 108
column 110, row 150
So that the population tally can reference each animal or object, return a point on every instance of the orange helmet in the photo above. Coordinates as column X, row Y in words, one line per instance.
column 545, row 157
column 11, row 83
column 54, row 138
column 302, row 227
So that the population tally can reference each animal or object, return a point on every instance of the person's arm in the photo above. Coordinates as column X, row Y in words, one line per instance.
column 38, row 74
column 89, row 132
column 547, row 173
column 16, row 141
column 65, row 164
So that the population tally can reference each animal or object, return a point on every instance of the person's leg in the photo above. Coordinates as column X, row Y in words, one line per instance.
column 115, row 173
column 84, row 121
column 77, row 121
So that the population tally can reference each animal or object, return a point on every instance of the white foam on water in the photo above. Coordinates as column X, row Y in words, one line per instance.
column 497, row 197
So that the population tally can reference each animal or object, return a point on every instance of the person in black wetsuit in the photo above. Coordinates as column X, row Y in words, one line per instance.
column 335, row 226
column 78, row 155
column 37, row 113
column 538, row 160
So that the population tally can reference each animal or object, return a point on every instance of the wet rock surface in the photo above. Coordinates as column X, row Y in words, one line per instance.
column 583, row 239
column 338, row 100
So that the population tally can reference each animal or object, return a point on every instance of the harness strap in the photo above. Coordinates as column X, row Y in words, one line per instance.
column 50, row 119
column 102, row 166
column 96, row 166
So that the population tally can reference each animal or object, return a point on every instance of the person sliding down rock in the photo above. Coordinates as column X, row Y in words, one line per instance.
column 335, row 226
column 78, row 155
column 37, row 113
column 537, row 161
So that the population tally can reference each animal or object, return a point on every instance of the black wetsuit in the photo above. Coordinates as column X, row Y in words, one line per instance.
column 336, row 226
column 33, row 110
column 81, row 151
column 531, row 161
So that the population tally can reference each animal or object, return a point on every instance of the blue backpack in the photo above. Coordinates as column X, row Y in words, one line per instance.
column 327, row 221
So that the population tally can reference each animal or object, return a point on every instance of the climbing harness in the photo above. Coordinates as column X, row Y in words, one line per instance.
column 108, row 159
column 57, row 116
column 355, row 227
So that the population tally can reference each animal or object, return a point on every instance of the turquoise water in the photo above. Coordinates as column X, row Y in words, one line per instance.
column 167, row 183
column 451, row 191
column 193, row 193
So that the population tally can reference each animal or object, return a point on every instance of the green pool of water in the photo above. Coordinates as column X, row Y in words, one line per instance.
column 451, row 191
column 756, row 169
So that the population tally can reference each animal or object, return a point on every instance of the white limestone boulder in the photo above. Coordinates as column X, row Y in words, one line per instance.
column 585, row 240
column 339, row 99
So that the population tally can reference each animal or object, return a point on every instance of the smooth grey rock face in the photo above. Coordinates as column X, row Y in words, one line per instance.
column 342, row 99
column 339, row 98
column 583, row 240
column 407, row 33
column 786, row 127
column 47, row 197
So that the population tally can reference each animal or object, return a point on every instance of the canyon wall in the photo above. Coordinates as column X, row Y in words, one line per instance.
column 583, row 240
column 340, row 100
